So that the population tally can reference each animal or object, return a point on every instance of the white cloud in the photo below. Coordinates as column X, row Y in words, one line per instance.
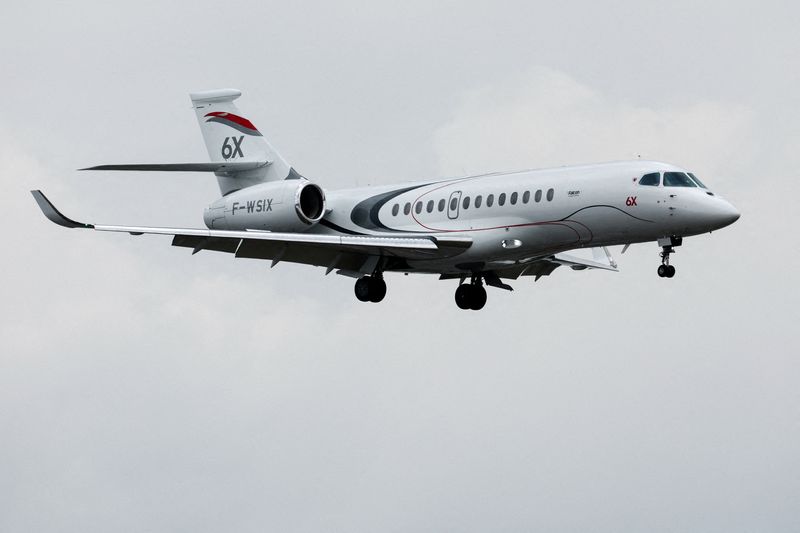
column 546, row 118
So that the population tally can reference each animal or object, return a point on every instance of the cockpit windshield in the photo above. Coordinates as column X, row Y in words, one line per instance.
column 697, row 181
column 650, row 179
column 678, row 179
column 672, row 179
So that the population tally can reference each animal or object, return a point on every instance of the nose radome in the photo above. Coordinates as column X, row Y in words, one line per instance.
column 727, row 214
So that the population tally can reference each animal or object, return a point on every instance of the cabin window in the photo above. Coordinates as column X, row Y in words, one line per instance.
column 465, row 204
column 514, row 197
column 490, row 200
column 418, row 208
column 653, row 179
column 454, row 204
column 501, row 200
column 478, row 201
column 550, row 194
column 678, row 179
column 526, row 197
column 395, row 209
column 429, row 207
column 442, row 203
column 407, row 208
column 538, row 196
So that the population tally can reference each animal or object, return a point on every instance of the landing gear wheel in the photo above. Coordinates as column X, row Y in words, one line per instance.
column 478, row 297
column 377, row 289
column 370, row 289
column 670, row 271
column 662, row 271
column 471, row 295
column 362, row 289
column 464, row 296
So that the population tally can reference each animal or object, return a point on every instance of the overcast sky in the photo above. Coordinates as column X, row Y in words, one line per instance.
column 146, row 389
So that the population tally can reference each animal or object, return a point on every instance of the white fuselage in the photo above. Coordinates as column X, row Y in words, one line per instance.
column 510, row 218
column 532, row 213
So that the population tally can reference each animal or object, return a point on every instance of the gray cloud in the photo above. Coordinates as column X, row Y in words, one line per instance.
column 142, row 388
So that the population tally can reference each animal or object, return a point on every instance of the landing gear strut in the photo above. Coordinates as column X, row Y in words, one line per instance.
column 666, row 270
column 371, row 288
column 471, row 295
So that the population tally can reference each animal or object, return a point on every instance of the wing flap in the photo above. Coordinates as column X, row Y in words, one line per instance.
column 217, row 244
column 301, row 253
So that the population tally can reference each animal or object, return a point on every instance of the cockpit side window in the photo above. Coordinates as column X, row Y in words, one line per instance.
column 697, row 181
column 650, row 179
column 678, row 179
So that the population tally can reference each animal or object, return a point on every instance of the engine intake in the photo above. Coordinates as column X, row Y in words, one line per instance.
column 310, row 202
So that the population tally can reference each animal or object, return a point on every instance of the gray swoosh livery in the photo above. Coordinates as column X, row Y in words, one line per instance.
column 479, row 230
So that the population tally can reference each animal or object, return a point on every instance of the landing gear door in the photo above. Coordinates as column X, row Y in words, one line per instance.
column 453, row 204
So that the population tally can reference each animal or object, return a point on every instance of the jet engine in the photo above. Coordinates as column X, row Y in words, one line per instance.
column 284, row 206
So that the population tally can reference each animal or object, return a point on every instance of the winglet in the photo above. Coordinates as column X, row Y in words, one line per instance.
column 54, row 214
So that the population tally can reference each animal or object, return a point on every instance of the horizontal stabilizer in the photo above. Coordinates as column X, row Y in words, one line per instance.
column 222, row 166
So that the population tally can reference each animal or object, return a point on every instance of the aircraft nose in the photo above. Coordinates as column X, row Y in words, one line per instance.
column 726, row 214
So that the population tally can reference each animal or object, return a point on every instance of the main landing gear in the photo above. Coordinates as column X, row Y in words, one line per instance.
column 665, row 270
column 371, row 288
column 471, row 295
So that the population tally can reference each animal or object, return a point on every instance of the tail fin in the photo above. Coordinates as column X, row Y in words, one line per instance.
column 231, row 138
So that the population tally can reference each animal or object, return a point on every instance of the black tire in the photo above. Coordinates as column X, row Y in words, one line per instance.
column 362, row 288
column 464, row 296
column 662, row 271
column 377, row 289
column 478, row 297
column 670, row 271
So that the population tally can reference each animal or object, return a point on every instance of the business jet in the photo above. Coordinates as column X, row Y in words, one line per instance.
column 479, row 230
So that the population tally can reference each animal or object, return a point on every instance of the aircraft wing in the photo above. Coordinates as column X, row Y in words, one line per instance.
column 350, row 253
column 601, row 258
column 545, row 265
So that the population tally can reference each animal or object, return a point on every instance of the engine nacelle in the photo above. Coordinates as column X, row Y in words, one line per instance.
column 287, row 205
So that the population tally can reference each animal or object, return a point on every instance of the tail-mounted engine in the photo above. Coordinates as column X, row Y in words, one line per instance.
column 287, row 205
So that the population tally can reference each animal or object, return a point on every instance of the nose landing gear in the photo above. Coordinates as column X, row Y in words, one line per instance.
column 471, row 295
column 667, row 247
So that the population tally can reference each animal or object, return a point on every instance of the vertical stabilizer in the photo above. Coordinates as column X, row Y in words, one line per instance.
column 230, row 137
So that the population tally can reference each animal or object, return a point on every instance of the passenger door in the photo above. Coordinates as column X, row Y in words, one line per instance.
column 453, row 205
